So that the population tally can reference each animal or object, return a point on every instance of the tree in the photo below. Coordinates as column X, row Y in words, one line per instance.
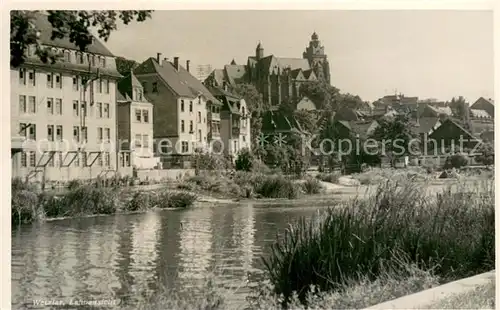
column 394, row 135
column 487, row 154
column 456, row 161
column 124, row 66
column 74, row 25
column 348, row 100
column 307, row 120
column 458, row 106
column 320, row 92
column 245, row 160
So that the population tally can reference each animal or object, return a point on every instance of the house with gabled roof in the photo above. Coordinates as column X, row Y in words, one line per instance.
column 234, row 126
column 278, row 79
column 487, row 105
column 134, row 126
column 181, row 107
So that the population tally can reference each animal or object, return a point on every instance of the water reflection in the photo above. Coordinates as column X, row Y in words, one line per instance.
column 130, row 256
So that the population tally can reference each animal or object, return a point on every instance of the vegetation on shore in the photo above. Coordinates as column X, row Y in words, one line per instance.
column 30, row 204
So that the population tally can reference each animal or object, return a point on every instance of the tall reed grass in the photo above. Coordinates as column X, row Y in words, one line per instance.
column 452, row 233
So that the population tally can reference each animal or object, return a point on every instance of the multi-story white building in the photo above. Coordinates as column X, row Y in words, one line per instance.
column 62, row 114
column 180, row 106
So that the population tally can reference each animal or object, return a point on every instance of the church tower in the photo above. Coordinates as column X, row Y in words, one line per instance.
column 315, row 54
column 259, row 51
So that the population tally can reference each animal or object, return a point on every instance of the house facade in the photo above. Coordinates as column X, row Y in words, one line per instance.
column 134, row 126
column 181, row 109
column 484, row 104
column 234, row 129
column 63, row 117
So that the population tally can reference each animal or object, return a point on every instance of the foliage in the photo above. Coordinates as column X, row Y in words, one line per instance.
column 455, row 161
column 180, row 200
column 453, row 235
column 277, row 187
column 207, row 161
column 395, row 137
column 312, row 186
column 307, row 120
column 25, row 207
column 321, row 93
column 458, row 107
column 487, row 154
column 139, row 201
column 124, row 66
column 245, row 160
column 73, row 25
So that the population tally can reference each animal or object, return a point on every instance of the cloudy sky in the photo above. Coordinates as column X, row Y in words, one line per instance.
column 430, row 54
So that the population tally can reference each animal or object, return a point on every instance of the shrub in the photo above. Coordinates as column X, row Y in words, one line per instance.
column 277, row 187
column 24, row 206
column 487, row 154
column 74, row 184
column 453, row 235
column 332, row 177
column 455, row 161
column 245, row 160
column 181, row 200
column 87, row 200
column 312, row 186
column 139, row 201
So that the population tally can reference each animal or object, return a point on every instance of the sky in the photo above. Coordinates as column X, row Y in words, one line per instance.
column 429, row 54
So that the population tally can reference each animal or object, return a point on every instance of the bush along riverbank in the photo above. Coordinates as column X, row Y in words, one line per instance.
column 251, row 185
column 29, row 204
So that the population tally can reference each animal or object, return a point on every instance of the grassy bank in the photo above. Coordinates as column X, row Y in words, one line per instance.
column 251, row 185
column 451, row 235
column 483, row 297
column 29, row 204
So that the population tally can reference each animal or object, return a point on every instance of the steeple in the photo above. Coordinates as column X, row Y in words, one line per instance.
column 233, row 62
column 259, row 51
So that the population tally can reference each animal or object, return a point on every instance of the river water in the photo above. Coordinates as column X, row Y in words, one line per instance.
column 122, row 257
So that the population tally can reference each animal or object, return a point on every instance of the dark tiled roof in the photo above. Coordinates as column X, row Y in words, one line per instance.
column 307, row 73
column 235, row 73
column 275, row 121
column 42, row 23
column 126, row 84
column 425, row 124
column 180, row 81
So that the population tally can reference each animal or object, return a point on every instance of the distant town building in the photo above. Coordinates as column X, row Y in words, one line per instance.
column 63, row 114
column 278, row 79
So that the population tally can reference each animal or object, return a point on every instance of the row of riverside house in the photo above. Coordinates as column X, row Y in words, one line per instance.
column 79, row 118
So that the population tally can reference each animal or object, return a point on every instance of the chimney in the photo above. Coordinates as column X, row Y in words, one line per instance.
column 176, row 63
column 187, row 65
column 158, row 55
column 164, row 62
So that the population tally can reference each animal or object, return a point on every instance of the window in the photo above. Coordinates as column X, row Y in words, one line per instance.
column 50, row 105
column 107, row 132
column 22, row 103
column 182, row 126
column 32, row 105
column 50, row 132
column 99, row 109
column 24, row 159
column 144, row 84
column 243, row 111
column 75, row 83
column 138, row 141
column 85, row 136
column 139, row 94
column 185, row 147
column 102, row 61
column 59, row 133
column 106, row 110
column 79, row 58
column 99, row 134
column 92, row 60
column 182, row 105
column 32, row 132
column 145, row 116
column 235, row 146
column 106, row 85
column 84, row 108
column 199, row 117
column 155, row 87
column 67, row 56
column 244, row 138
column 100, row 86
column 32, row 158
column 50, row 82
column 199, row 135
column 22, row 76
column 22, row 130
column 76, row 133
column 75, row 108
column 190, row 106
column 145, row 140
column 138, row 115
column 58, row 106
column 58, row 81
column 31, row 78
column 190, row 126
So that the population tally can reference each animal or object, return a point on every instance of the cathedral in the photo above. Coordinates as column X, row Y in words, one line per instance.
column 278, row 79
